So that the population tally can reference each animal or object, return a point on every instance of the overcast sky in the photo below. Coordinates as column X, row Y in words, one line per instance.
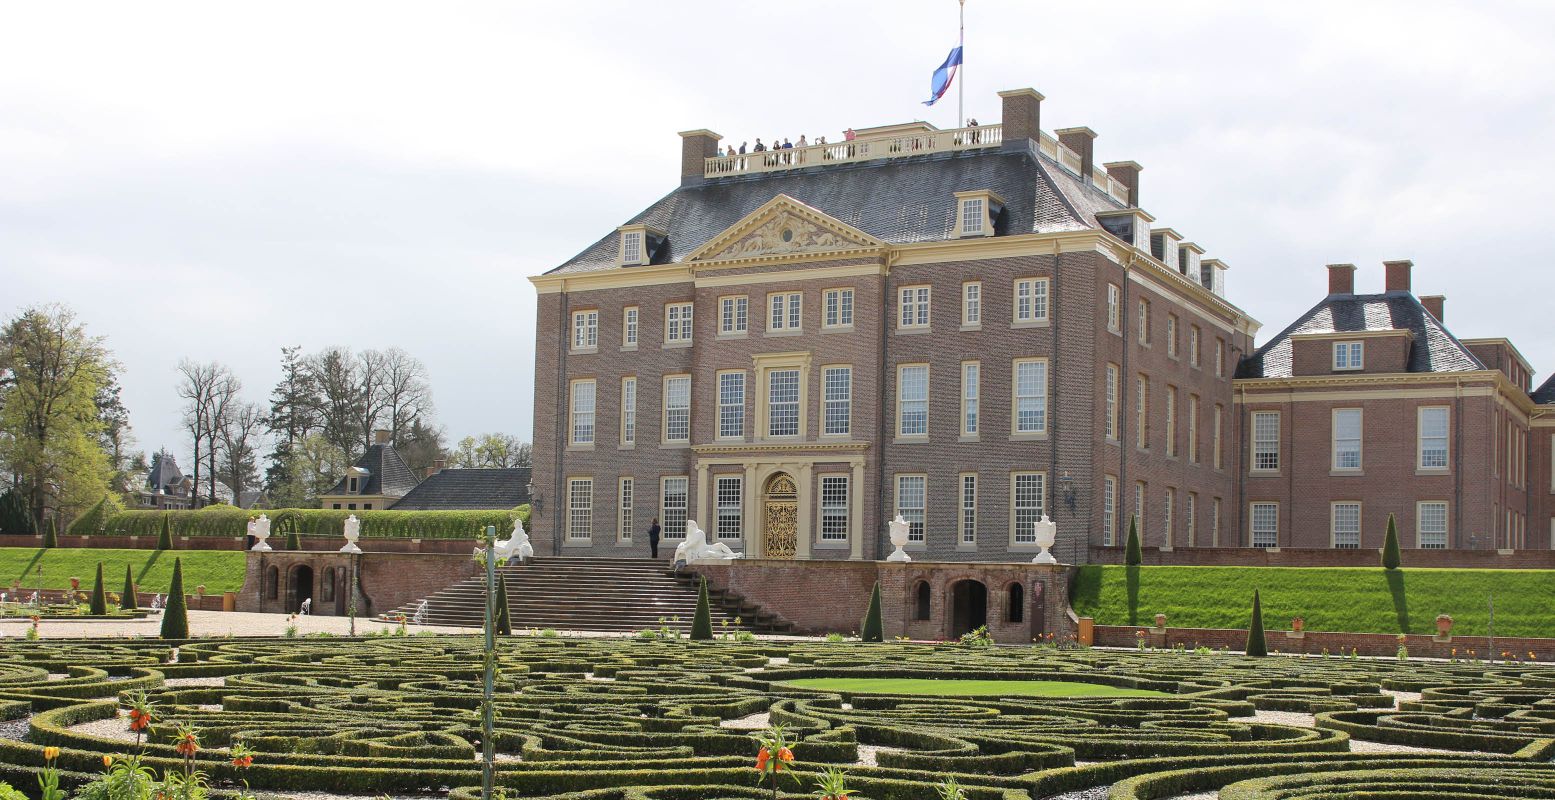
column 219, row 180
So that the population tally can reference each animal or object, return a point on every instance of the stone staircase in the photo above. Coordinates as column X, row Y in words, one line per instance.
column 593, row 594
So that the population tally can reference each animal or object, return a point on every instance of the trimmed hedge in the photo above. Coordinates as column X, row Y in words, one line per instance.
column 93, row 521
column 229, row 521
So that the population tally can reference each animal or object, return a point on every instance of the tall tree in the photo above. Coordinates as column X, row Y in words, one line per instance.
column 206, row 389
column 293, row 415
column 239, row 436
column 405, row 393
column 422, row 446
column 315, row 464
column 339, row 400
column 491, row 450
column 115, row 438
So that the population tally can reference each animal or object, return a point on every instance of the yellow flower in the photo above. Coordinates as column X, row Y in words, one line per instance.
column 50, row 753
column 107, row 762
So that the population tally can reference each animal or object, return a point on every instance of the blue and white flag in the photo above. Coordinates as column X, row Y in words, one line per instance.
column 946, row 73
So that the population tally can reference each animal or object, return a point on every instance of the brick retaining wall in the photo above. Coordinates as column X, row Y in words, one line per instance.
column 1315, row 642
column 386, row 581
column 1328, row 557
column 277, row 541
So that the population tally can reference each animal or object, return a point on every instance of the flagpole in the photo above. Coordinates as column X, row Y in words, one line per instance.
column 961, row 87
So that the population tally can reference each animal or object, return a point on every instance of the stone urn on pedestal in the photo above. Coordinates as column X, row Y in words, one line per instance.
column 899, row 528
column 260, row 530
column 353, row 529
column 1444, row 626
column 1046, row 535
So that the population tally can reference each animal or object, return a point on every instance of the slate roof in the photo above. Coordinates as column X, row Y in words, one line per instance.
column 897, row 200
column 164, row 474
column 1434, row 349
column 387, row 473
column 1545, row 394
column 468, row 489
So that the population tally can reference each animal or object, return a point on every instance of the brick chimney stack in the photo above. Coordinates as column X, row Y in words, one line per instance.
column 1433, row 303
column 1082, row 141
column 380, row 436
column 1398, row 274
column 1022, row 117
column 695, row 148
column 1126, row 173
column 1341, row 279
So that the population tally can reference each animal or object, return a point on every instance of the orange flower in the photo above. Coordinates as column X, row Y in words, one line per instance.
column 762, row 757
column 107, row 762
column 242, row 761
column 50, row 753
column 786, row 756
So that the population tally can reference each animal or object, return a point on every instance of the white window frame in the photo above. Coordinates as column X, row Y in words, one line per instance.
column 913, row 303
column 837, row 308
column 1024, row 400
column 1445, row 438
column 1110, row 422
column 582, row 422
column 1349, row 356
column 1193, row 429
column 629, row 318
column 1143, row 334
column 913, row 514
column 1214, row 523
column 902, row 403
column 580, row 509
column 1266, row 442
column 973, row 216
column 1267, row 514
column 1193, row 346
column 729, row 518
column 676, row 411
column 1342, row 451
column 1168, row 507
column 1420, row 531
column 633, row 249
column 837, row 406
column 785, row 312
column 678, row 321
column 629, row 411
column 1351, row 510
column 1031, row 301
column 1171, row 421
column 971, row 304
column 672, row 515
column 835, row 508
column 797, row 403
column 731, row 409
column 1216, row 438
column 1190, row 514
column 1171, row 335
column 1142, row 411
column 1109, row 510
column 1220, row 357
column 1141, row 496
column 585, row 331
column 971, row 399
column 1030, row 510
column 733, row 315
column 625, row 488
column 1114, row 308
column 966, row 516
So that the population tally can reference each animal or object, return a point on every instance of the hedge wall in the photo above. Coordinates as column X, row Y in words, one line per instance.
column 229, row 521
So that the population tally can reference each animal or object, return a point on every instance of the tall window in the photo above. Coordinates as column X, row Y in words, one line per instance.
column 783, row 402
column 1431, row 524
column 1215, row 436
column 1190, row 514
column 1031, row 396
column 1171, row 335
column 677, row 322
column 731, row 517
column 1168, row 506
column 624, row 522
column 910, row 495
column 583, row 412
column 1144, row 322
column 839, row 308
column 973, row 217
column 585, row 330
column 912, row 400
column 1114, row 308
column 914, row 307
column 1109, row 510
column 1266, row 524
column 1028, row 492
column 1031, row 300
column 785, row 311
column 734, row 314
column 968, row 514
column 677, row 408
column 1349, row 355
column 1214, row 523
column 580, row 508
column 1193, row 429
column 1139, row 509
column 1346, row 525
column 1266, row 440
column 629, row 326
column 628, row 411
column 731, row 405
column 837, row 383
column 971, row 303
column 632, row 247
column 1433, row 437
column 1347, row 438
column 834, row 508
column 971, row 374
column 1111, row 423
column 1220, row 357
column 672, row 511
column 1171, row 422
column 1193, row 345
column 1142, row 412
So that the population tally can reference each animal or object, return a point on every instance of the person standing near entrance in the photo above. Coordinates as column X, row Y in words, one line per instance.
column 653, row 538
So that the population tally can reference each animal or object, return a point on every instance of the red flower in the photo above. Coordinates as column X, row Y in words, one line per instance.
column 243, row 761
column 762, row 757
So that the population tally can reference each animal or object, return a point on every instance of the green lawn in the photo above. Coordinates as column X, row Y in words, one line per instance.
column 1361, row 599
column 965, row 688
column 219, row 570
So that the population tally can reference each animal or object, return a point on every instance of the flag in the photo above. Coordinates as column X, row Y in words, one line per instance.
column 946, row 73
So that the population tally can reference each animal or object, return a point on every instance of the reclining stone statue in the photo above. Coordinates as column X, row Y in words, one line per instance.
column 696, row 547
column 516, row 546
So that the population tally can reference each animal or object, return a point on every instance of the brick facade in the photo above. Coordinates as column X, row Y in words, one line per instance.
column 277, row 581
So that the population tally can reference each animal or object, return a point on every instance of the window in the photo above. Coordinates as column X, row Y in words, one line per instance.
column 1027, row 493
column 677, row 408
column 914, row 307
column 834, row 508
column 973, row 218
column 1346, row 525
column 1432, row 425
column 1111, row 422
column 1266, row 524
column 733, row 314
column 1214, row 523
column 837, row 413
column 353, row 483
column 629, row 327
column 1349, row 355
column 624, row 522
column 1139, row 509
column 971, row 304
column 1193, row 345
column 1169, row 505
column 1171, row 335
column 583, row 412
column 1015, row 606
column 628, row 411
column 839, row 308
column 1114, row 308
column 1031, row 396
column 968, row 514
column 1190, row 518
column 1347, row 438
column 672, row 511
column 1142, row 412
column 1431, row 524
column 912, row 400
column 1144, row 322
column 1220, row 357
column 1266, row 441
column 971, row 372
column 1215, row 436
column 730, row 516
column 1171, row 421
column 1109, row 510
column 785, row 311
column 1031, row 300
column 585, row 330
column 631, row 247
column 731, row 405
column 580, row 508
column 783, row 402
column 677, row 322
column 910, row 494
column 1193, row 429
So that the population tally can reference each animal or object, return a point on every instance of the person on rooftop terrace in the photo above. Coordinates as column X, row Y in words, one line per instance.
column 802, row 142
column 787, row 145
column 742, row 148
column 760, row 148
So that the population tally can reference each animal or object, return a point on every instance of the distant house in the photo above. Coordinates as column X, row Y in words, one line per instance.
column 167, row 488
column 377, row 480
column 467, row 489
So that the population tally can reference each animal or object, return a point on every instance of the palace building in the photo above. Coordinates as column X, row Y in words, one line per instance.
column 974, row 328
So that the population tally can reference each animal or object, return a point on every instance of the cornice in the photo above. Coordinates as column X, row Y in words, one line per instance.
column 779, row 447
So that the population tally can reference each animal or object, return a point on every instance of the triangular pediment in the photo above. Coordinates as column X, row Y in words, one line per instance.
column 783, row 226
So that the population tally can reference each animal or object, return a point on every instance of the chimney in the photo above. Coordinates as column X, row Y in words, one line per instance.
column 438, row 464
column 1398, row 274
column 1126, row 173
column 1433, row 303
column 1022, row 117
column 1341, row 279
column 695, row 148
column 1083, row 142
column 380, row 436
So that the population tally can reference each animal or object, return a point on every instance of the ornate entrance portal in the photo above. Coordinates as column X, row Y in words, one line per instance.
column 780, row 515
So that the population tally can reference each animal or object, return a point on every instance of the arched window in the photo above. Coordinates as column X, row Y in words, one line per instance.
column 922, row 601
column 273, row 582
column 329, row 584
column 1017, row 603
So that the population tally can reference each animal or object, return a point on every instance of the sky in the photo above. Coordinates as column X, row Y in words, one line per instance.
column 219, row 180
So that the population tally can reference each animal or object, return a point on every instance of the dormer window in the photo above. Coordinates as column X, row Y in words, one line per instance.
column 638, row 244
column 1349, row 355
column 351, row 486
column 632, row 248
column 975, row 213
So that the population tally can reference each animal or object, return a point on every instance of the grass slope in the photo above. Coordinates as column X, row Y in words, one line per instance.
column 968, row 688
column 1361, row 600
column 219, row 570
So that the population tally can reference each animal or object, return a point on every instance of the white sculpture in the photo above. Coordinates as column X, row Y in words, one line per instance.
column 307, row 605
column 420, row 617
column 695, row 546
column 353, row 530
column 517, row 545
column 899, row 529
column 260, row 530
column 34, row 599
column 1047, row 533
column 156, row 603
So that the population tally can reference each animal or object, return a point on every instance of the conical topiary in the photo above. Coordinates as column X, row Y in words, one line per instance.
column 175, row 618
column 1133, row 554
column 504, row 621
column 702, row 623
column 873, row 630
column 293, row 542
column 127, row 597
column 165, row 537
column 99, row 597
column 1390, row 554
column 50, row 533
column 1256, row 645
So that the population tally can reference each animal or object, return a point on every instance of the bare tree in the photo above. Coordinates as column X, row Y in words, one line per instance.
column 224, row 403
column 196, row 389
column 404, row 392
column 239, row 433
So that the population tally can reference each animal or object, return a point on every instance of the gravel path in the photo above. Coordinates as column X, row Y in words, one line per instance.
column 752, row 722
column 867, row 754
column 112, row 728
column 222, row 623
column 178, row 683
